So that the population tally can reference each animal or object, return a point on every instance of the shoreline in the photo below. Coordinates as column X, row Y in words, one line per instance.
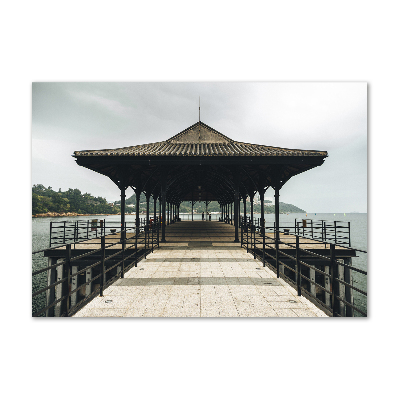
column 69, row 214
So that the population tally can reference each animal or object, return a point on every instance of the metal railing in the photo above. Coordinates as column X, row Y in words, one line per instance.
column 324, row 278
column 62, row 232
column 337, row 232
column 70, row 281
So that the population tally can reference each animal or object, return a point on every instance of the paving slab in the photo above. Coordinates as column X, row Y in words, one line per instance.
column 201, row 272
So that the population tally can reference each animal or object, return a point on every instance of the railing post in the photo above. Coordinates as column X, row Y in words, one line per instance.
column 152, row 238
column 312, row 230
column 67, row 287
column 145, row 240
column 263, row 251
column 348, row 277
column 123, row 254
column 51, row 231
column 51, row 293
column 247, row 238
column 103, row 265
column 349, row 233
column 254, row 242
column 333, row 276
column 64, row 232
column 158, row 233
column 241, row 232
column 298, row 266
column 334, row 223
column 75, row 231
column 277, row 255
column 136, row 248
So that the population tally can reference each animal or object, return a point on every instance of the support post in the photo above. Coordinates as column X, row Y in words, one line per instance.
column 167, row 213
column 236, row 211
column 277, row 237
column 163, row 199
column 252, row 208
column 122, row 212
column 89, row 285
column 348, row 278
column 335, row 284
column 74, row 285
column 66, row 288
column 244, row 207
column 59, row 290
column 312, row 283
column 51, row 293
column 147, row 208
column 159, row 209
column 122, row 268
column 327, row 287
column 298, row 266
column 103, row 265
column 341, row 287
column 137, row 191
column 262, row 220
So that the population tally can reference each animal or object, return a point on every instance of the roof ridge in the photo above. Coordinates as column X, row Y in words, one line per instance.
column 200, row 123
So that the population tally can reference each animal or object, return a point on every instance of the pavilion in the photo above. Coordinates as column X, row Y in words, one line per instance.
column 200, row 163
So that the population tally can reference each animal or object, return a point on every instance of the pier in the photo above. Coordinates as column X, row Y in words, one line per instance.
column 200, row 272
column 163, row 266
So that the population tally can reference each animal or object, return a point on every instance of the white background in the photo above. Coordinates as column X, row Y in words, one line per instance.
column 214, row 41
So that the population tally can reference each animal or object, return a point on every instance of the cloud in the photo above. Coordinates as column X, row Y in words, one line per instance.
column 112, row 106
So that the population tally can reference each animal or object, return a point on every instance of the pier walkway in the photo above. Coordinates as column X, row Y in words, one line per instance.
column 200, row 272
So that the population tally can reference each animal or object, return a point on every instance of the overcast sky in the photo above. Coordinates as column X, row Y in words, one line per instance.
column 311, row 116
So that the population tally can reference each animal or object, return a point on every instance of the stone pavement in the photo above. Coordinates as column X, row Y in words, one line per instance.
column 207, row 275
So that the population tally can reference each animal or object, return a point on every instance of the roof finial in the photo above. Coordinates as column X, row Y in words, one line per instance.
column 199, row 108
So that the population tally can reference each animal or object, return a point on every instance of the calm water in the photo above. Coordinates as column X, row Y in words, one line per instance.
column 358, row 224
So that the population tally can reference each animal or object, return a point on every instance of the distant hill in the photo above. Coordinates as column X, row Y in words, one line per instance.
column 46, row 200
column 186, row 206
column 284, row 208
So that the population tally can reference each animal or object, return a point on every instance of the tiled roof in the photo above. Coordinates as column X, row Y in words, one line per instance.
column 200, row 140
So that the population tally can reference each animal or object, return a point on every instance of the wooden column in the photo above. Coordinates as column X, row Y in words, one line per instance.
column 262, row 219
column 251, row 207
column 159, row 207
column 167, row 213
column 163, row 199
column 244, row 207
column 137, row 222
column 236, row 210
column 147, row 208
column 122, row 213
column 277, row 237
